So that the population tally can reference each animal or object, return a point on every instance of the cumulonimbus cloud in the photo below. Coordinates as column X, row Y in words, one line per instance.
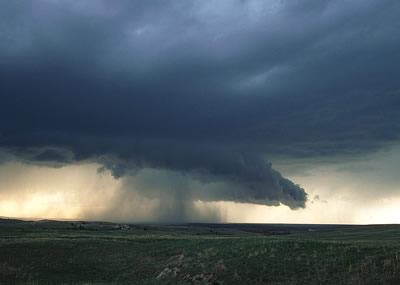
column 183, row 87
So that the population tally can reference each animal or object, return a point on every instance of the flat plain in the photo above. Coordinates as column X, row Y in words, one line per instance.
column 79, row 252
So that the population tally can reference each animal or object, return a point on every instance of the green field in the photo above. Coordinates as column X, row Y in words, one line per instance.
column 101, row 253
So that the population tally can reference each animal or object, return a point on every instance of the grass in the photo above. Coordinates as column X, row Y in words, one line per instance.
column 32, row 254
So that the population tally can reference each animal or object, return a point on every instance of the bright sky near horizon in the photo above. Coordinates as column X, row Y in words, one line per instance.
column 339, row 193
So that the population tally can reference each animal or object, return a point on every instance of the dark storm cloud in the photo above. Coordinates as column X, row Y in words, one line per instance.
column 206, row 88
column 51, row 155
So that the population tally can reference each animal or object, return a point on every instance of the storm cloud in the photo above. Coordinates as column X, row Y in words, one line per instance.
column 212, row 90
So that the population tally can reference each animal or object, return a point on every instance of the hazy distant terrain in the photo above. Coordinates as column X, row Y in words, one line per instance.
column 37, row 252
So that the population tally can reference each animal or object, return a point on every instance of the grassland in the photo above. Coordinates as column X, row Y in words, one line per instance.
column 50, row 252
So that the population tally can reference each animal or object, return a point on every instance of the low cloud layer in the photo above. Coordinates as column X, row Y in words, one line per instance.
column 211, row 90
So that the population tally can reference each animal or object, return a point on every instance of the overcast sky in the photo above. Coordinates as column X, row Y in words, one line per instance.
column 201, row 110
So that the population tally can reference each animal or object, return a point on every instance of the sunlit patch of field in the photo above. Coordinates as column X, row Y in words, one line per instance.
column 61, row 254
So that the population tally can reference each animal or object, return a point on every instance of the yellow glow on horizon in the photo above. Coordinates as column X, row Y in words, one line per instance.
column 388, row 212
column 79, row 192
column 339, row 213
column 53, row 193
column 40, row 206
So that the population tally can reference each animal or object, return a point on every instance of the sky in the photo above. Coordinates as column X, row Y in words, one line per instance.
column 267, row 111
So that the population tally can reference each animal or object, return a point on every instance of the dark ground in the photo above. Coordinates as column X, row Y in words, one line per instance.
column 47, row 252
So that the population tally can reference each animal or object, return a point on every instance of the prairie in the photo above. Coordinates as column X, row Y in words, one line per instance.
column 59, row 252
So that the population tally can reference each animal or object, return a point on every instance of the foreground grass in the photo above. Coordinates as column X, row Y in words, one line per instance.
column 59, row 256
